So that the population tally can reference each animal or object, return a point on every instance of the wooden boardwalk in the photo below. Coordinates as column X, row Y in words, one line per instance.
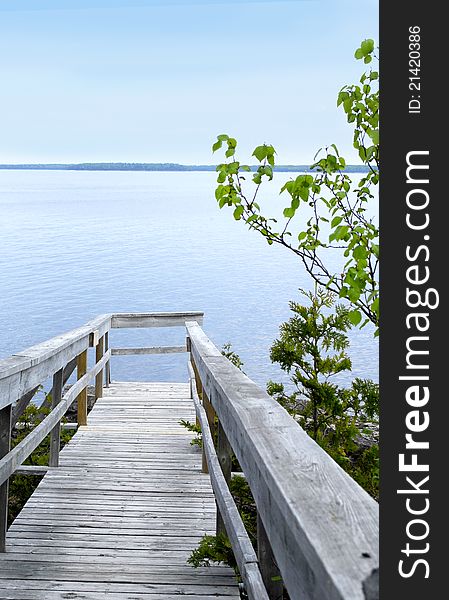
column 119, row 517
column 131, row 498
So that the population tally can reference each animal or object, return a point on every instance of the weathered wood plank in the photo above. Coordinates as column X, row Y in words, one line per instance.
column 232, row 523
column 15, row 457
column 5, row 444
column 322, row 526
column 99, row 351
column 224, row 454
column 82, row 396
column 31, row 470
column 107, row 371
column 26, row 594
column 46, row 404
column 148, row 350
column 55, row 435
column 24, row 371
column 267, row 563
column 173, row 589
column 20, row 406
column 122, row 512
column 158, row 319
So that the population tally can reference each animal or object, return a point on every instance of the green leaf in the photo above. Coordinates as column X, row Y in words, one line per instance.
column 230, row 152
column 367, row 46
column 374, row 135
column 221, row 177
column 347, row 104
column 289, row 212
column 353, row 294
column 341, row 232
column 359, row 252
column 367, row 59
column 238, row 212
column 268, row 171
column 216, row 146
column 359, row 53
column 336, row 221
column 260, row 153
column 342, row 96
column 222, row 137
column 355, row 316
column 304, row 193
column 220, row 191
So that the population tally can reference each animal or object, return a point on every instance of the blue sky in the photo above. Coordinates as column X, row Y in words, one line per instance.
column 156, row 81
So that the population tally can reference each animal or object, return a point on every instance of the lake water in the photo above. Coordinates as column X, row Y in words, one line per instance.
column 77, row 244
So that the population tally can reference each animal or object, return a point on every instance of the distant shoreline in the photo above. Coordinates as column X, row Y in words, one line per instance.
column 156, row 167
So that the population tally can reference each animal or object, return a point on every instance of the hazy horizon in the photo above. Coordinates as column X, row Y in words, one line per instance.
column 156, row 81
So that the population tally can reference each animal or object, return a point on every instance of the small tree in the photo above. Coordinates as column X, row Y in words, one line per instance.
column 302, row 350
column 312, row 349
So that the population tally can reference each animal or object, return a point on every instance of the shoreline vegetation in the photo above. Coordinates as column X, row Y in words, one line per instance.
column 157, row 167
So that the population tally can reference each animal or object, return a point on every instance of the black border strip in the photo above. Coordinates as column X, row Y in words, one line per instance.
column 413, row 365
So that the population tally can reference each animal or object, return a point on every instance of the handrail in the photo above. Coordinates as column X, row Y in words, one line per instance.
column 321, row 525
column 315, row 524
column 21, row 375
column 22, row 372
column 14, row 458
column 244, row 553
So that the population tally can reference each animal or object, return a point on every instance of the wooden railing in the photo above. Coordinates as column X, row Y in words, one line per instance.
column 317, row 528
column 22, row 374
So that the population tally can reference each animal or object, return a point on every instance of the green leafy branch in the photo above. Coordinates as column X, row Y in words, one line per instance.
column 335, row 199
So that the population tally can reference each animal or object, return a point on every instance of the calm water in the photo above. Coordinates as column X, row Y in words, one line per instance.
column 77, row 244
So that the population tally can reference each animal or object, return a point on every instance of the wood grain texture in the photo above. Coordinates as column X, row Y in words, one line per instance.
column 322, row 526
column 157, row 319
column 19, row 453
column 81, row 400
column 244, row 553
column 5, row 444
column 121, row 514
column 99, row 352
column 23, row 371
column 148, row 350
column 55, row 435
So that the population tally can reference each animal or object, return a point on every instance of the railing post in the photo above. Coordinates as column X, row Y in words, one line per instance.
column 224, row 453
column 268, row 568
column 99, row 351
column 201, row 395
column 82, row 397
column 108, row 364
column 210, row 414
column 5, row 446
column 55, row 435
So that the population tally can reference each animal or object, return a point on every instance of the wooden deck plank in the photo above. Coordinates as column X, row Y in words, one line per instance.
column 122, row 513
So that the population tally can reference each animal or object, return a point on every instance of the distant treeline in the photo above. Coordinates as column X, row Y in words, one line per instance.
column 160, row 167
